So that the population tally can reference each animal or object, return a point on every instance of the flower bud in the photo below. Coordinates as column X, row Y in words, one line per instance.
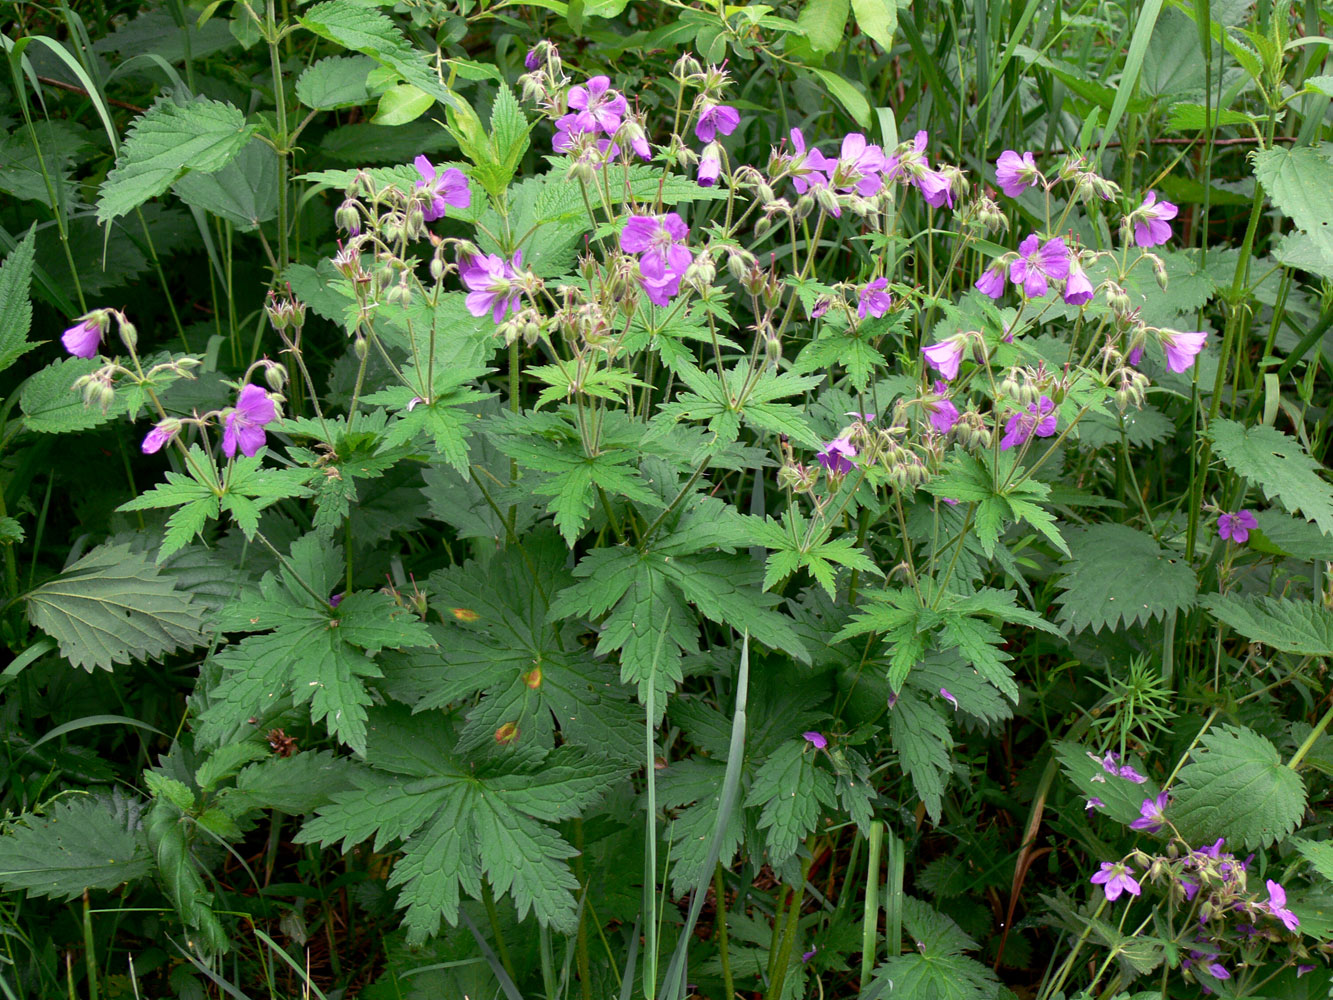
column 826, row 199
column 805, row 204
column 773, row 349
column 276, row 377
column 360, row 346
column 128, row 334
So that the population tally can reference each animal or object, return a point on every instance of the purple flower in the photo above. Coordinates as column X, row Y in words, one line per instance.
column 836, row 457
column 807, row 955
column 867, row 417
column 1135, row 356
column 859, row 165
column 160, row 435
column 1181, row 348
column 1303, row 969
column 447, row 187
column 597, row 106
column 1151, row 227
column 991, row 281
column 809, row 168
column 1190, row 889
column 489, row 280
column 946, row 356
column 1129, row 774
column 943, row 414
column 1217, row 970
column 244, row 425
column 660, row 278
column 1078, row 289
column 532, row 60
column 1150, row 815
column 655, row 234
column 1039, row 418
column 907, row 163
column 1115, row 879
column 1037, row 262
column 1015, row 173
column 335, row 600
column 84, row 338
column 1277, row 906
column 874, row 300
column 818, row 739
column 1215, row 850
column 710, row 165
column 1237, row 526
column 1094, row 803
column 413, row 403
column 944, row 693
column 716, row 118
column 936, row 188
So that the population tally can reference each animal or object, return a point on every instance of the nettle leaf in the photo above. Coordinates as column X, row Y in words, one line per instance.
column 791, row 786
column 1290, row 626
column 1118, row 576
column 114, row 606
column 295, row 785
column 1320, row 855
column 244, row 191
column 335, row 82
column 1120, row 797
column 1236, row 787
column 79, row 842
column 1276, row 464
column 51, row 406
column 1297, row 179
column 164, row 143
column 15, row 309
column 459, row 820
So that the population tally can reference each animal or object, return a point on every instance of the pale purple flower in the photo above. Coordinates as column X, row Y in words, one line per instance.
column 859, row 164
column 413, row 403
column 1039, row 418
column 1214, row 850
column 1129, row 774
column 1236, row 527
column 807, row 955
column 1151, row 226
column 716, row 118
column 936, row 188
column 817, row 739
column 655, row 234
column 1181, row 348
column 1190, row 889
column 904, row 166
column 836, row 456
column 867, row 417
column 1015, row 173
column 943, row 414
column 1109, row 762
column 809, row 167
column 1135, row 356
column 874, row 300
column 946, row 356
column 160, row 436
column 443, row 188
column 489, row 280
column 1277, row 906
column 660, row 278
column 1037, row 262
column 1094, row 803
column 1217, row 970
column 991, row 281
column 84, row 338
column 597, row 106
column 710, row 165
column 244, row 425
column 944, row 693
column 1116, row 879
column 1078, row 289
column 1150, row 814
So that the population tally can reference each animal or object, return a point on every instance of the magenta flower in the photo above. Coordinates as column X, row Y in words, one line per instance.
column 716, row 118
column 335, row 600
column 936, row 189
column 1078, row 289
column 448, row 187
column 160, row 435
column 1236, row 527
column 1181, row 348
column 1277, row 906
column 1094, row 803
column 1036, row 264
column 654, row 234
column 84, row 338
column 1135, row 356
column 1151, row 226
column 874, row 300
column 661, row 279
column 1015, row 173
column 946, row 356
column 991, row 281
column 1039, row 418
column 489, row 280
column 859, row 165
column 944, row 693
column 1150, row 814
column 710, row 165
column 809, row 167
column 1115, row 879
column 597, row 106
column 836, row 457
column 905, row 165
column 818, row 739
column 943, row 414
column 244, row 425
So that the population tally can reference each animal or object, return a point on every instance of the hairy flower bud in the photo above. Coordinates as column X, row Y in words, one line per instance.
column 129, row 335
column 826, row 199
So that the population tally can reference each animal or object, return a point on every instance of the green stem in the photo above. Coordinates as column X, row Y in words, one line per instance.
column 501, row 949
column 779, row 976
column 280, row 98
column 870, row 921
column 719, row 893
column 1315, row 733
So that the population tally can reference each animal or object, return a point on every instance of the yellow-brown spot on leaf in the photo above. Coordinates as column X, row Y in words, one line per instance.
column 465, row 614
column 507, row 733
column 533, row 678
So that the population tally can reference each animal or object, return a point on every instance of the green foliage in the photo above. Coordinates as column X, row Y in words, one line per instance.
column 935, row 968
column 1289, row 626
column 79, row 842
column 1236, row 787
column 167, row 142
column 1276, row 464
column 113, row 606
column 1118, row 576
column 15, row 309
column 50, row 406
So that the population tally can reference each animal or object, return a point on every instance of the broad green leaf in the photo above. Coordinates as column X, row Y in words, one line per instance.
column 1320, row 855
column 295, row 785
column 1236, row 787
column 164, row 143
column 878, row 19
column 244, row 192
column 1291, row 626
column 847, row 95
column 1118, row 576
column 1121, row 798
column 114, row 606
column 822, row 23
column 15, row 309
column 50, row 404
column 335, row 82
column 79, row 842
column 402, row 104
column 1298, row 179
column 1277, row 464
